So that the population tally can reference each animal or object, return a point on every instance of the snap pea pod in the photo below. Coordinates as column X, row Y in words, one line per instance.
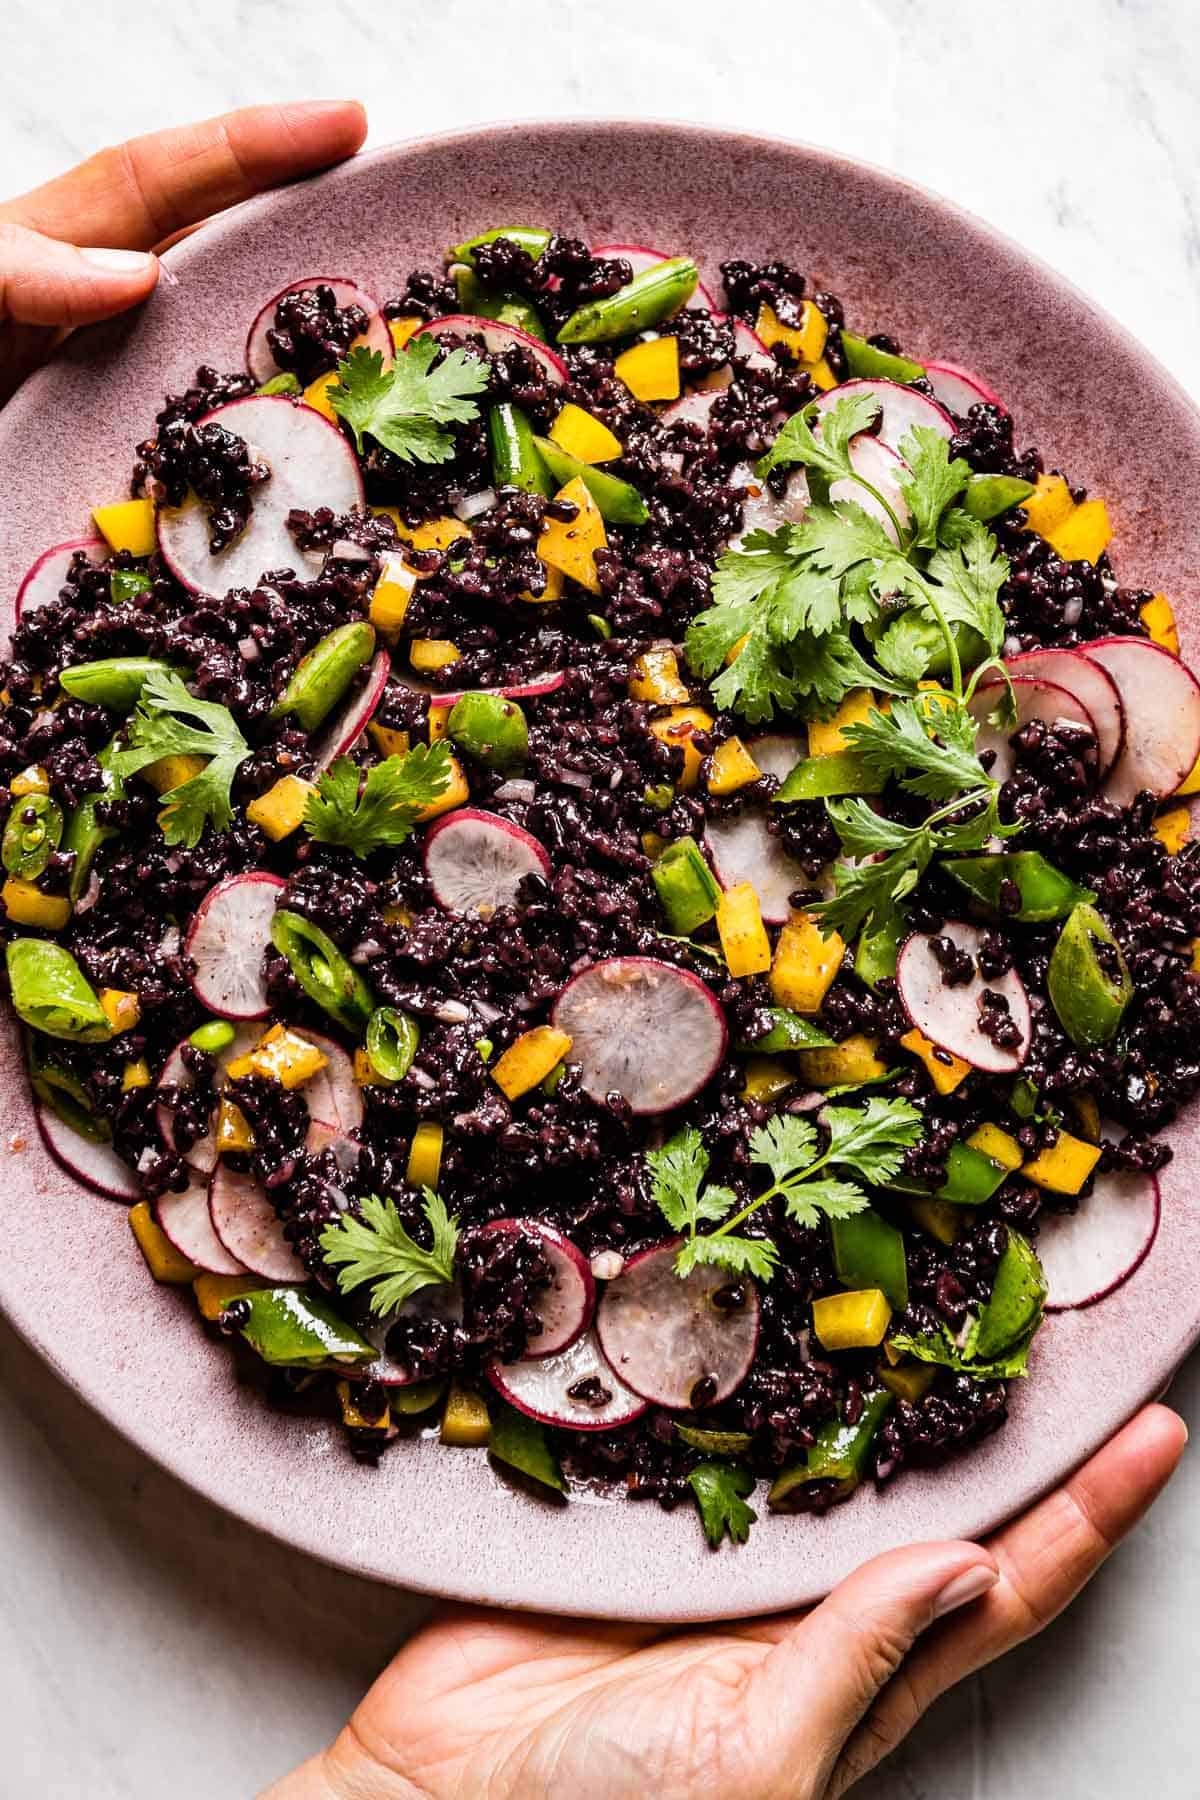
column 872, row 364
column 515, row 459
column 532, row 238
column 839, row 1454
column 51, row 993
column 1088, row 979
column 321, row 678
column 215, row 1036
column 31, row 836
column 292, row 1329
column 522, row 1444
column 284, row 383
column 715, row 1443
column 1014, row 1307
column 789, row 1031
column 57, row 1088
column 1043, row 892
column 828, row 777
column 876, row 952
column 868, row 1252
column 987, row 496
column 115, row 681
column 490, row 729
column 125, row 584
column 506, row 309
column 392, row 1039
column 651, row 296
column 972, row 1177
column 686, row 886
column 85, row 832
column 618, row 501
column 322, row 971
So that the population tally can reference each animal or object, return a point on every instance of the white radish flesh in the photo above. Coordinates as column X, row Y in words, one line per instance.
column 186, row 1220
column 175, row 1074
column 741, row 848
column 1089, row 1253
column 1091, row 685
column 541, row 1387
column 461, row 328
column 900, row 408
column 960, row 389
column 884, row 469
column 642, row 1029
column 692, row 409
column 97, row 1165
column 226, row 941
column 248, row 1226
column 332, row 1095
column 476, row 861
column 776, row 754
column 1161, row 698
column 44, row 581
column 260, row 360
column 764, row 510
column 949, row 1016
column 1036, row 701
column 339, row 738
column 669, row 1339
column 565, row 1308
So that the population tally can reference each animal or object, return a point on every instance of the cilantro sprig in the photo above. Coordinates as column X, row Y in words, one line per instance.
column 720, row 1489
column 170, row 721
column 366, row 815
column 409, row 406
column 377, row 1251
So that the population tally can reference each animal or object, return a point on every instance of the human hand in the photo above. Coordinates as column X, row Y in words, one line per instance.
column 81, row 247
column 515, row 1706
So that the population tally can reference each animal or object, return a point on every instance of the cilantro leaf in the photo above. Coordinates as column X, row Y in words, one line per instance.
column 409, row 407
column 942, row 1349
column 872, row 891
column 871, row 1139
column 828, row 454
column 390, row 802
column 740, row 1255
column 377, row 1250
column 720, row 1489
column 836, row 538
column 969, row 569
column 677, row 1171
column 828, row 667
column 170, row 721
column 928, row 748
column 935, row 480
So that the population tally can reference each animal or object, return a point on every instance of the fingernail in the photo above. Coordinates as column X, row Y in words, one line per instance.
column 965, row 1587
column 118, row 262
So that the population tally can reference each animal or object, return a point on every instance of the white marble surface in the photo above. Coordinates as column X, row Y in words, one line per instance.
column 152, row 1646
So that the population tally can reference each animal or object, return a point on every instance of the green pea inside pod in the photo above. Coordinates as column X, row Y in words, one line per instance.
column 1088, row 980
column 491, row 729
column 114, row 681
column 51, row 993
column 392, row 1039
column 322, row 678
column 31, row 836
column 650, row 297
column 60, row 1090
column 327, row 977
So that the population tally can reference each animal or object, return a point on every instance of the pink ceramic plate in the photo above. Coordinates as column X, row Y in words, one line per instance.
column 71, row 1278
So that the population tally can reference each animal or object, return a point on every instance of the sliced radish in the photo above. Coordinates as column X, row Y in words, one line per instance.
column 900, row 408
column 332, row 1095
column 1092, row 686
column 45, row 580
column 643, row 1029
column 640, row 258
column 312, row 465
column 776, row 754
column 249, row 1227
column 557, row 1389
column 1161, row 698
column 749, row 346
column 885, row 469
column 476, row 861
column 565, row 1308
column 1035, row 700
column 960, row 389
column 1089, row 1253
column 497, row 338
column 692, row 409
column 226, row 940
column 949, row 1016
column 533, row 689
column 259, row 360
column 97, row 1165
column 742, row 848
column 665, row 1336
column 186, row 1220
column 175, row 1074
column 340, row 738
column 765, row 510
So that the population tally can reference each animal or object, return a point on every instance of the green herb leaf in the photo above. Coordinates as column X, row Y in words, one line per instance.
column 383, row 809
column 934, row 482
column 740, row 1255
column 828, row 454
column 170, row 721
column 942, row 1349
column 677, row 1172
column 720, row 1489
column 901, row 744
column 377, row 1250
column 873, row 891
column 969, row 569
column 784, row 1144
column 409, row 407
column 871, row 1139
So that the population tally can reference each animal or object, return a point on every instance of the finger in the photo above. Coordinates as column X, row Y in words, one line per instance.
column 137, row 193
column 1044, row 1558
column 43, row 282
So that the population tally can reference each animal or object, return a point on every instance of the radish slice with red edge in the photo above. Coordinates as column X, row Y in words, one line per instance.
column 743, row 848
column 640, row 258
column 340, row 738
column 765, row 510
column 885, row 469
column 1088, row 1254
column 249, row 1228
column 1039, row 701
column 476, row 861
column 692, row 409
column 332, row 1095
column 312, row 465
column 672, row 1341
column 900, row 408
column 1092, row 686
column 643, row 1029
column 460, row 328
column 186, row 1220
column 565, row 1308
column 950, row 1016
column 175, row 1074
column 533, row 689
column 97, row 1165
column 1161, row 698
column 576, row 1388
column 226, row 940
column 44, row 581
column 960, row 389
column 260, row 360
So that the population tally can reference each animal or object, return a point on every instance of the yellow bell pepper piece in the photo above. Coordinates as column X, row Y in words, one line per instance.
column 233, row 1128
column 1158, row 616
column 945, row 1071
column 805, row 341
column 1084, row 535
column 390, row 596
column 163, row 1260
column 428, row 654
column 1065, row 1166
column 1192, row 783
column 653, row 845
column 552, row 590
column 33, row 780
column 854, row 1321
column 651, row 370
column 854, row 1059
column 280, row 1055
column 765, row 1078
column 1088, row 1113
column 214, row 1292
column 26, row 904
column 353, row 1419
column 1048, row 505
column 805, row 964
column 742, row 933
column 120, row 1008
column 654, row 676
column 827, row 737
column 465, row 1423
column 938, row 1218
column 387, row 740
column 571, row 548
column 911, row 1381
column 439, row 720
column 1173, row 828
column 583, row 436
column 128, row 525
column 170, row 772
column 821, row 374
column 316, row 395
column 455, row 793
column 425, row 1155
column 731, row 767
column 403, row 328
column 735, row 649
column 135, row 1075
column 1000, row 1145
column 677, row 728
column 365, row 1072
column 432, row 534
column 530, row 1060
column 281, row 809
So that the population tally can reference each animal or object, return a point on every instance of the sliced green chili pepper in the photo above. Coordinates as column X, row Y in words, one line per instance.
column 490, row 729
column 876, row 952
column 507, row 309
column 660, row 795
column 125, row 584
column 868, row 1252
column 515, row 461
column 687, row 887
column 321, row 678
column 600, row 626
column 392, row 1039
column 31, row 836
column 618, row 501
column 872, row 364
column 550, row 1083
column 484, row 1049
column 653, row 295
column 57, row 1088
column 522, row 1443
column 971, row 1178
column 215, row 1036
column 827, row 777
column 285, row 383
column 52, row 994
column 716, row 1443
column 416, row 1397
column 1090, row 985
column 322, row 971
column 531, row 238
column 1016, row 1301
column 84, row 831
column 116, row 681
column 839, row 1454
column 789, row 1031
column 987, row 496
column 296, row 1330
column 1044, row 892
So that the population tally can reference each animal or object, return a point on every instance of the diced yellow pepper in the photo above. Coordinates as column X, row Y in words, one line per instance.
column 854, row 1321
column 911, row 1381
column 1172, row 828
column 281, row 809
column 677, row 728
column 1192, row 784
column 571, row 547
column 731, row 767
column 465, row 1422
column 455, row 793
column 425, row 1155
column 654, row 676
column 26, row 904
column 1065, row 1166
column 280, row 1055
column 1084, row 534
column 387, row 740
column 805, row 965
column 1158, row 616
column 439, row 720
column 651, row 370
column 120, row 1008
column 742, row 932
column 827, row 737
column 934, row 700
column 1000, row 1145
column 735, row 650
column 1088, row 1113
column 653, row 845
column 33, row 780
column 127, row 525
column 233, row 1128
column 428, row 654
column 945, row 1071
column 551, row 591
column 806, row 341
column 365, row 1072
column 582, row 435
column 432, row 534
column 403, row 328
column 853, row 1060
column 135, row 1075
column 941, row 1220
column 390, row 596
column 353, row 1419
column 530, row 1060
column 170, row 772
column 1048, row 505
column 316, row 395
column 214, row 1292
column 397, row 915
column 765, row 1077
column 163, row 1260
column 821, row 374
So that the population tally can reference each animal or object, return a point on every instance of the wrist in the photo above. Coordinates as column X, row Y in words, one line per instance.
column 344, row 1772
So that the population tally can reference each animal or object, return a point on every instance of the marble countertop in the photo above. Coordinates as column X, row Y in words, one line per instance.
column 152, row 1645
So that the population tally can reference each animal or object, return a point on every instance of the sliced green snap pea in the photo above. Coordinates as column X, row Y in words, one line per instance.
column 125, row 584
column 490, row 729
column 84, row 831
column 687, row 887
column 972, row 1177
column 839, row 1454
column 868, row 1252
column 715, row 1443
column 507, row 309
column 31, row 836
column 1088, row 979
column 1042, row 891
column 532, row 238
column 292, row 1329
column 828, row 777
column 522, row 1444
column 51, row 993
column 215, row 1036
column 618, row 501
column 1016, row 1301
column 987, row 496
column 57, row 1088
column 653, row 295
column 321, row 678
column 515, row 460
column 115, row 681
column 326, row 976
column 284, row 383
column 871, row 364
column 392, row 1039
column 789, row 1031
column 876, row 952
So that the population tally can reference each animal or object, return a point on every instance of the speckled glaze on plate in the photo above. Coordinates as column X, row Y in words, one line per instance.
column 71, row 1278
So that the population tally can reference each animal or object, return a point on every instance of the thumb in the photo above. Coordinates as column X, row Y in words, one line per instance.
column 44, row 282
